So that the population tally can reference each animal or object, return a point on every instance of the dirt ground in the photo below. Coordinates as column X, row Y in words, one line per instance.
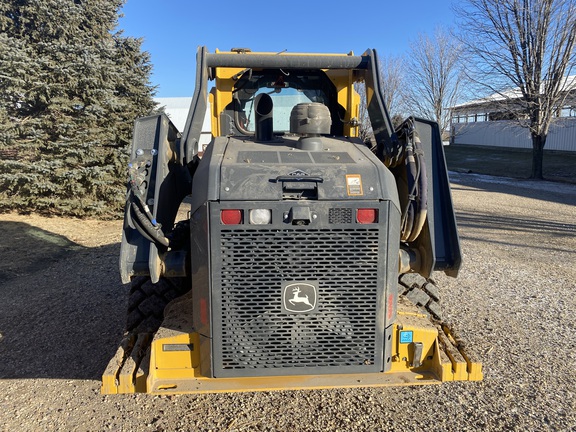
column 62, row 311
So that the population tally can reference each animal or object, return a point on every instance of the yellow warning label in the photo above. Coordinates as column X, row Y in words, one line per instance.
column 354, row 184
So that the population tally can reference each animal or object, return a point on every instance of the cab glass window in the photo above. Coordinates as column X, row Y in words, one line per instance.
column 286, row 88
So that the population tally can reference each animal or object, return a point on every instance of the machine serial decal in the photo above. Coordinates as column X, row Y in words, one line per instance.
column 354, row 184
column 299, row 297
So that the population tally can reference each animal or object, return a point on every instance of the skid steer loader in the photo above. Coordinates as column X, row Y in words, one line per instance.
column 305, row 256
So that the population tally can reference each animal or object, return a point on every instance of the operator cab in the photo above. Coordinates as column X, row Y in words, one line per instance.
column 286, row 89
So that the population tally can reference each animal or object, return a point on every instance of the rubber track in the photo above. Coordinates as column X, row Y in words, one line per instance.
column 147, row 302
column 422, row 292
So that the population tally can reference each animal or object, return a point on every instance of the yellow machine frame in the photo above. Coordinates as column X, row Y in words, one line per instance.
column 423, row 353
column 343, row 80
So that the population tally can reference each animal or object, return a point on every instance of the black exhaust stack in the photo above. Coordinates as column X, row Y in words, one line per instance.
column 264, row 123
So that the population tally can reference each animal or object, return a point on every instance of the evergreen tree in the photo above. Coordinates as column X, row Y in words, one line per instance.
column 70, row 89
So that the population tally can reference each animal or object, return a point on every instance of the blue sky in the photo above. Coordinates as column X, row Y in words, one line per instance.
column 173, row 29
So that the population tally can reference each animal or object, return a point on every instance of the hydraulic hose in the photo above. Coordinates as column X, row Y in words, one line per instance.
column 412, row 175
column 138, row 194
column 154, row 232
column 145, row 222
column 138, row 226
column 422, row 198
column 415, row 211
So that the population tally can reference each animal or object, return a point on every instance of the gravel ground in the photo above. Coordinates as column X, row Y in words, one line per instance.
column 62, row 312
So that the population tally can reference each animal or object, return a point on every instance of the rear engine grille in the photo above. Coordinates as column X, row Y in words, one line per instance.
column 258, row 338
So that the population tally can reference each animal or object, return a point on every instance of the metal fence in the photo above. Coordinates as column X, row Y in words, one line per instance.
column 505, row 133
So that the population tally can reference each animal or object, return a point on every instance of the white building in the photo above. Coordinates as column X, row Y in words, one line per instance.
column 492, row 122
column 177, row 110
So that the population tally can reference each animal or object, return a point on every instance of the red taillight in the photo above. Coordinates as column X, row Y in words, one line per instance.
column 231, row 217
column 367, row 216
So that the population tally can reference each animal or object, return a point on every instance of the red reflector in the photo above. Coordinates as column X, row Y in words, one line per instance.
column 231, row 217
column 204, row 311
column 367, row 216
column 390, row 307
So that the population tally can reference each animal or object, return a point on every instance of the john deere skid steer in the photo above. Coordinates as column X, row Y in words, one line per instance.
column 304, row 257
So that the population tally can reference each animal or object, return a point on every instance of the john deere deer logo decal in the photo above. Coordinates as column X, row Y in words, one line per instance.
column 299, row 297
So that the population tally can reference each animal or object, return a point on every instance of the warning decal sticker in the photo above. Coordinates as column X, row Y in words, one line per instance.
column 354, row 184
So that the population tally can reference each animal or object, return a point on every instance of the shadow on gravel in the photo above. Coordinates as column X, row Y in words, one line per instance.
column 25, row 249
column 510, row 224
column 64, row 313
column 560, row 193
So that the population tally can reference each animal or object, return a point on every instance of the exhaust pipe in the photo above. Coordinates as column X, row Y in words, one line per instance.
column 263, row 115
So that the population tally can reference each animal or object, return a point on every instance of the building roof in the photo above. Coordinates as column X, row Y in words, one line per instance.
column 515, row 93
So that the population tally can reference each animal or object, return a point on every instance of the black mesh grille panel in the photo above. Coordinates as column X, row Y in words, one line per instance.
column 258, row 337
column 340, row 215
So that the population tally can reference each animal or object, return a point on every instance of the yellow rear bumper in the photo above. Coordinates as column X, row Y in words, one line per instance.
column 423, row 353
